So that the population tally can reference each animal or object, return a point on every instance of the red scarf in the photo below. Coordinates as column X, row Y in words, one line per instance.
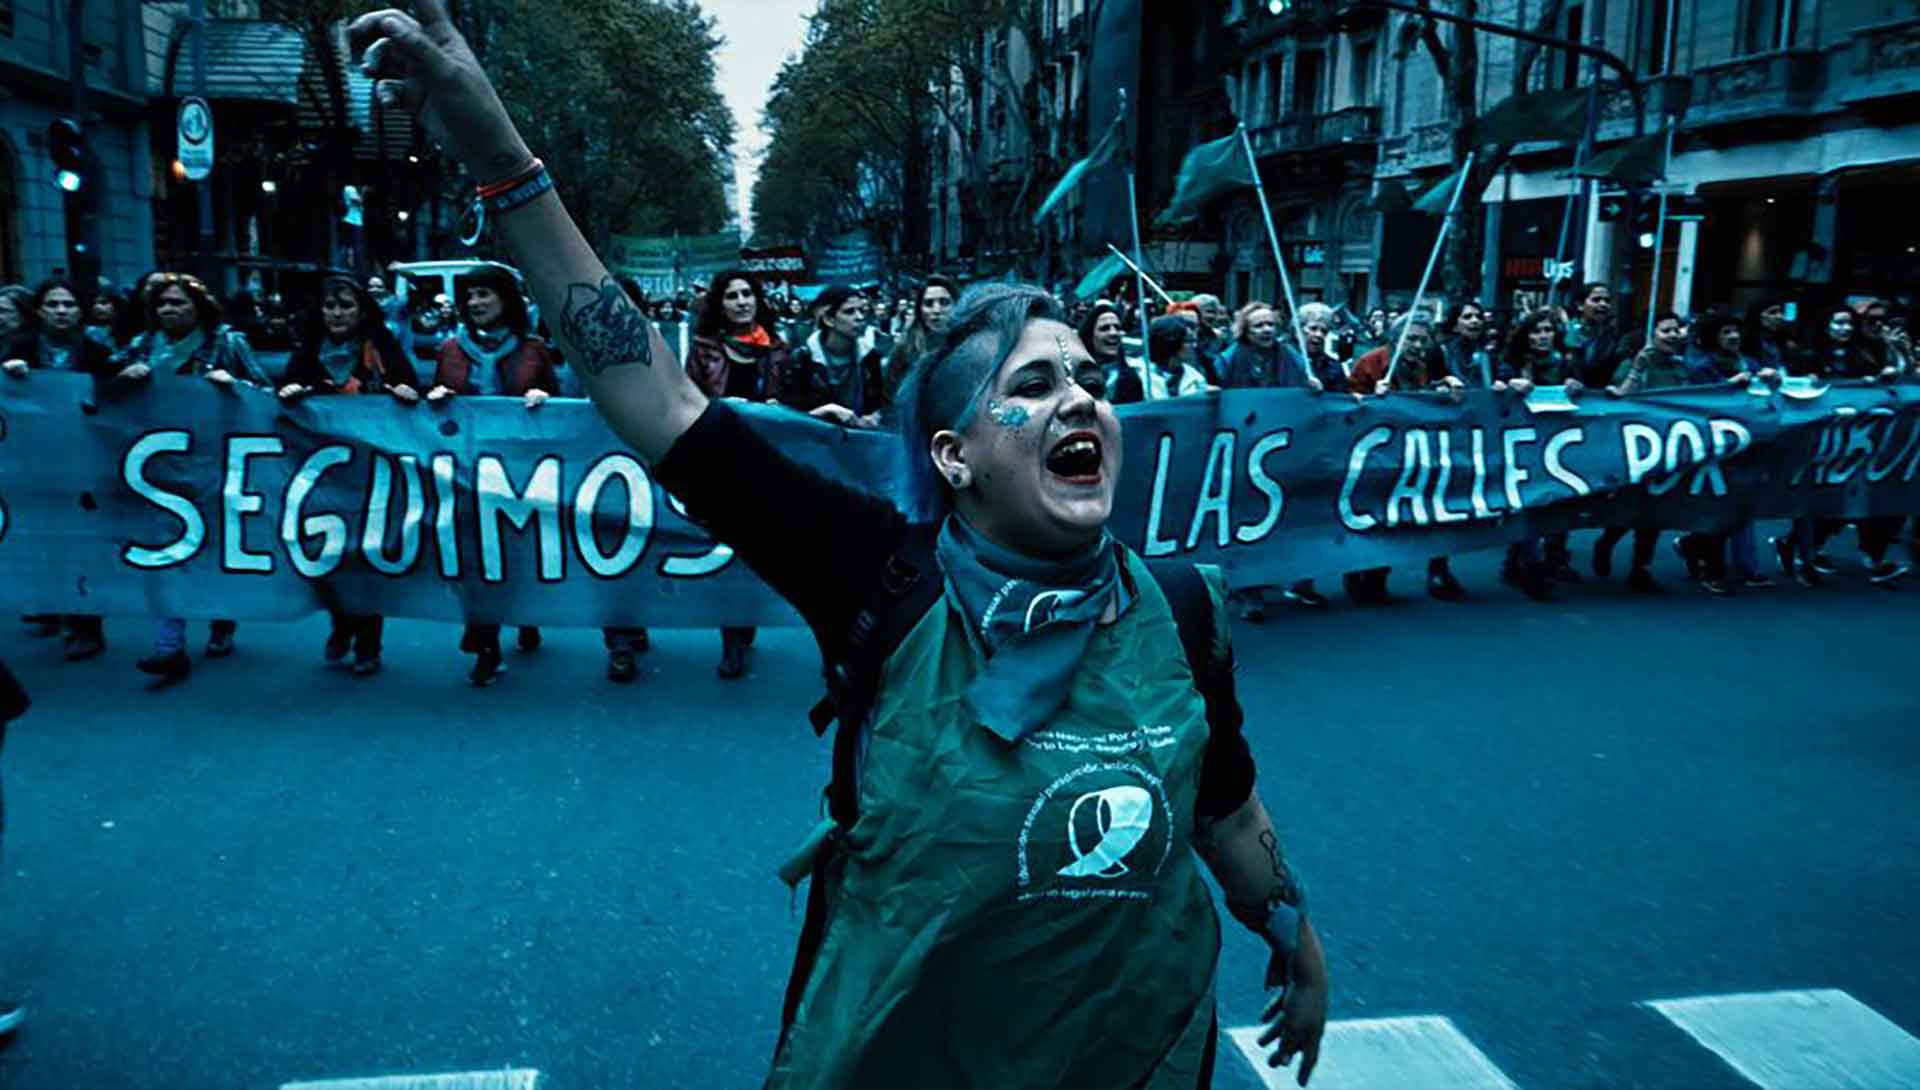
column 758, row 337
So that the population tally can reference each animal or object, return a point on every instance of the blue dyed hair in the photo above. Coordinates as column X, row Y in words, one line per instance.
column 943, row 390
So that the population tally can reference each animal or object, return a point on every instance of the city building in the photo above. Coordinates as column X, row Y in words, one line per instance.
column 36, row 89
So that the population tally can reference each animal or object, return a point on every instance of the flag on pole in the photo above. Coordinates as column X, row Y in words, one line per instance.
column 1435, row 201
column 1641, row 160
column 1106, row 271
column 1209, row 170
column 1102, row 153
column 1558, row 115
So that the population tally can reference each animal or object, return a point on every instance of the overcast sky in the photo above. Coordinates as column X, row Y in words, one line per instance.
column 760, row 34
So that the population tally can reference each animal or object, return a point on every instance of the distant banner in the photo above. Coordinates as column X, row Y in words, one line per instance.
column 192, row 501
column 664, row 264
column 777, row 264
column 850, row 258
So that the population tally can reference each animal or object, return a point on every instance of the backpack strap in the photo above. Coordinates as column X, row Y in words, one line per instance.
column 1196, row 613
column 907, row 588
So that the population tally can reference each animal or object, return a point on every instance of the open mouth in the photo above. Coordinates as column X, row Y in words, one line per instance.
column 1077, row 459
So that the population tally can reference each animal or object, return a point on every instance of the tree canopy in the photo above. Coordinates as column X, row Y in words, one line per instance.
column 621, row 100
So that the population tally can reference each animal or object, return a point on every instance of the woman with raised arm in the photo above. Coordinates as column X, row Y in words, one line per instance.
column 993, row 852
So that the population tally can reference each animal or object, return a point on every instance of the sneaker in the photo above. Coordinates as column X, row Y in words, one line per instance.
column 1823, row 565
column 487, row 667
column 42, row 626
column 11, row 1015
column 338, row 644
column 1715, row 587
column 621, row 667
column 1642, row 580
column 1807, row 577
column 1442, row 586
column 1535, row 585
column 528, row 640
column 220, row 644
column 1758, row 581
column 168, row 665
column 1305, row 596
column 1682, row 548
column 83, row 647
column 1783, row 551
column 1887, row 574
column 366, row 665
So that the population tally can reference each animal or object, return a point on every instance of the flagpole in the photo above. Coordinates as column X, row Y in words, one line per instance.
column 1659, row 236
column 1157, row 289
column 1139, row 259
column 1273, row 238
column 1465, row 179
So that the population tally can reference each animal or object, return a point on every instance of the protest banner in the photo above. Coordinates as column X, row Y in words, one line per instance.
column 186, row 500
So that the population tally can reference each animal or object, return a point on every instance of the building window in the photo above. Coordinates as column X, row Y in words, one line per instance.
column 1276, row 86
column 1659, row 20
column 1766, row 25
column 1360, row 90
column 1575, row 30
column 1307, row 66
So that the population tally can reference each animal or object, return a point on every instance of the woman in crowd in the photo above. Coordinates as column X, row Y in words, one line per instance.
column 1661, row 365
column 926, row 322
column 737, row 353
column 106, row 320
column 1769, row 336
column 1173, row 372
column 1103, row 331
column 1467, row 353
column 16, row 303
column 1421, row 367
column 1718, row 351
column 48, row 337
column 916, row 911
column 1536, row 356
column 187, row 339
column 841, row 363
column 1840, row 353
column 494, row 353
column 1258, row 359
column 346, row 350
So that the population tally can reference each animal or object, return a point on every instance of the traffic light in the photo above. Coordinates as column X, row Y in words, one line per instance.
column 1646, row 219
column 67, row 146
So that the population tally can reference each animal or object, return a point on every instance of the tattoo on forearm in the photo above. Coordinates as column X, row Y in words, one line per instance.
column 604, row 328
column 1286, row 888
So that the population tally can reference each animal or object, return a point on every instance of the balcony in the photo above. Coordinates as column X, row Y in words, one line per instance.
column 1356, row 127
column 1765, row 86
column 1885, row 64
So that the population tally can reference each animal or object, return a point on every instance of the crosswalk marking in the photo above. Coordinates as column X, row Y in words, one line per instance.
column 504, row 1079
column 1372, row 1053
column 1800, row 1040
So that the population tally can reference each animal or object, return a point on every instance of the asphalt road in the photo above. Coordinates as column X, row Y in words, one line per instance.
column 1525, row 819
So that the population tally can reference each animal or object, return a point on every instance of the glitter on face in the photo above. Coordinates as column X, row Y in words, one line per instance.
column 1007, row 416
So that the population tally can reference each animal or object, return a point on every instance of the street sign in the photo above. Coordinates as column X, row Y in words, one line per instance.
column 194, row 130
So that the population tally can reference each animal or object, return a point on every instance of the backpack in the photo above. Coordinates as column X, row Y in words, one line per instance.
column 908, row 586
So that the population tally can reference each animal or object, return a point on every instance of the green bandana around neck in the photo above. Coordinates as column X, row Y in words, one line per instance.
column 1032, row 618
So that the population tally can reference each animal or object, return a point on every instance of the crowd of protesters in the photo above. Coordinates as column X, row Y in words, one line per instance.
column 841, row 356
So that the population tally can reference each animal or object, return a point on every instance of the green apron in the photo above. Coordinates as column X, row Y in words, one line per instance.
column 1019, row 916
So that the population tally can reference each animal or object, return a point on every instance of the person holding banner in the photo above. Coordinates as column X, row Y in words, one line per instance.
column 986, row 637
column 1535, row 356
column 1661, row 365
column 1172, row 373
column 737, row 353
column 346, row 350
column 1421, row 367
column 1594, row 336
column 49, row 337
column 1467, row 353
column 841, row 364
column 1257, row 359
column 186, row 338
column 494, row 353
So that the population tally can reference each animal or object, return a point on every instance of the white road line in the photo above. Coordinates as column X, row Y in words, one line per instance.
column 504, row 1079
column 1385, row 1054
column 1800, row 1040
